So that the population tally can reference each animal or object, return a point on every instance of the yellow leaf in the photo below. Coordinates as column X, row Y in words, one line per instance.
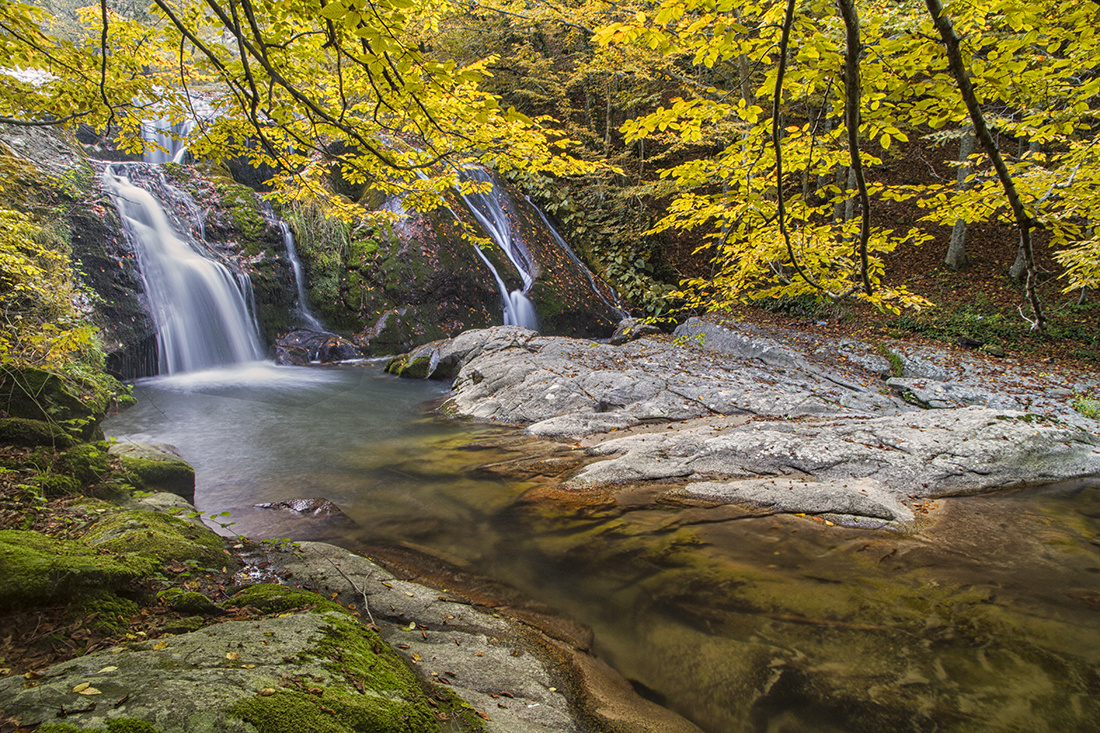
column 232, row 656
column 82, row 686
column 160, row 645
column 112, row 668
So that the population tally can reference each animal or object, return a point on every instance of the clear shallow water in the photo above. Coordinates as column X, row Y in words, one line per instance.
column 989, row 619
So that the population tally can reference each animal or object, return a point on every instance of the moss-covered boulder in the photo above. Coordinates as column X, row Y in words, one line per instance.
column 318, row 672
column 167, row 538
column 87, row 463
column 36, row 394
column 188, row 602
column 275, row 598
column 156, row 468
column 31, row 433
column 36, row 569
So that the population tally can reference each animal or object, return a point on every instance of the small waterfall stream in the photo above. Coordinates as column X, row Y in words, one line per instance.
column 200, row 308
column 308, row 319
column 489, row 210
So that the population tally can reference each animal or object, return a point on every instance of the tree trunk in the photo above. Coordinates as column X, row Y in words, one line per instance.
column 966, row 89
column 956, row 251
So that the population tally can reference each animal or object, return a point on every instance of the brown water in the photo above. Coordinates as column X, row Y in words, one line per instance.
column 986, row 619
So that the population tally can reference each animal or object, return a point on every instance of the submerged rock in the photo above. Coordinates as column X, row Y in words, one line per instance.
column 320, row 508
column 303, row 347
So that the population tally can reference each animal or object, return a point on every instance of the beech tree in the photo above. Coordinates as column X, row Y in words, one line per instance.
column 1032, row 68
column 301, row 85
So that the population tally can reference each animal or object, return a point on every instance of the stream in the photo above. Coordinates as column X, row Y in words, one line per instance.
column 986, row 619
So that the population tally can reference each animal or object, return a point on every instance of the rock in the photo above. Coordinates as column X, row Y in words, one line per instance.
column 304, row 347
column 630, row 329
column 31, row 433
column 39, row 569
column 165, row 537
column 884, row 460
column 36, row 394
column 994, row 350
column 157, row 468
column 518, row 376
column 320, row 508
column 220, row 678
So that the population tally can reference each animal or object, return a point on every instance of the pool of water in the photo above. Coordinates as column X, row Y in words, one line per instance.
column 986, row 619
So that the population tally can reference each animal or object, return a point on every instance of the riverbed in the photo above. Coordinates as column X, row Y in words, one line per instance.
column 986, row 617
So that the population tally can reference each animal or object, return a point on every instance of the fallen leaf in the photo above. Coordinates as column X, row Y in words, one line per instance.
column 111, row 668
column 160, row 645
column 266, row 692
column 232, row 656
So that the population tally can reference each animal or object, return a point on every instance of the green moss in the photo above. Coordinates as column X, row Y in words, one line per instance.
column 35, row 568
column 177, row 477
column 161, row 535
column 108, row 612
column 184, row 625
column 87, row 463
column 392, row 700
column 54, row 485
column 188, row 602
column 275, row 598
column 24, row 431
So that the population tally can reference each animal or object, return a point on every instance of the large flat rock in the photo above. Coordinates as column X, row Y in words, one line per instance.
column 781, row 420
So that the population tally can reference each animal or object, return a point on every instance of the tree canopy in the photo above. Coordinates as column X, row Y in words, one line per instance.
column 760, row 131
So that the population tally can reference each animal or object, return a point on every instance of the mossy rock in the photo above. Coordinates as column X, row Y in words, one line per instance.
column 392, row 699
column 108, row 611
column 54, row 486
column 76, row 404
column 161, row 535
column 31, row 433
column 154, row 469
column 35, row 568
column 416, row 367
column 275, row 598
column 184, row 625
column 188, row 602
column 87, row 463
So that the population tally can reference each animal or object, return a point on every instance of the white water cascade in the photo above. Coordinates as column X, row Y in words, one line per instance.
column 170, row 136
column 198, row 305
column 489, row 211
column 309, row 320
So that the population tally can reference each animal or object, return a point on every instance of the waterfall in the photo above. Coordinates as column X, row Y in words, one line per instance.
column 309, row 320
column 564, row 246
column 488, row 209
column 167, row 135
column 201, row 310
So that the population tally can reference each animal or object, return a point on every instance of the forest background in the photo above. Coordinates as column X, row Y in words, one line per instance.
column 897, row 167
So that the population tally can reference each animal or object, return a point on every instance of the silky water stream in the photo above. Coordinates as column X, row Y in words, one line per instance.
column 986, row 619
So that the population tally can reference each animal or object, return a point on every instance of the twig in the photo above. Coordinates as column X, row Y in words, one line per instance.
column 366, row 605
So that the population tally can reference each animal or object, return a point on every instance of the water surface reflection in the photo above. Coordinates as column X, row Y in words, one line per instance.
column 988, row 619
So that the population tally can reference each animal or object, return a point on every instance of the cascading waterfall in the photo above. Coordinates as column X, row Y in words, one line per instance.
column 167, row 135
column 199, row 307
column 309, row 320
column 488, row 209
column 564, row 246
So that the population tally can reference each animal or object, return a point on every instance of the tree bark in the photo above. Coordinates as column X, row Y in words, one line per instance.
column 1023, row 220
column 956, row 251
column 852, row 53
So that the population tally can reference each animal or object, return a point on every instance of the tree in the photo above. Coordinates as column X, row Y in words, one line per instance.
column 302, row 85
column 1033, row 69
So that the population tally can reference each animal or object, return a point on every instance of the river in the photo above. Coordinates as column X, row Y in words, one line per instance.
column 986, row 619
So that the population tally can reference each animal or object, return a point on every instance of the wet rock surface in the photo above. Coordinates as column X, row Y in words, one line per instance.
column 778, row 420
column 303, row 347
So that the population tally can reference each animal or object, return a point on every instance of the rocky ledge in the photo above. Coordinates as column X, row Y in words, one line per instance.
column 778, row 420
